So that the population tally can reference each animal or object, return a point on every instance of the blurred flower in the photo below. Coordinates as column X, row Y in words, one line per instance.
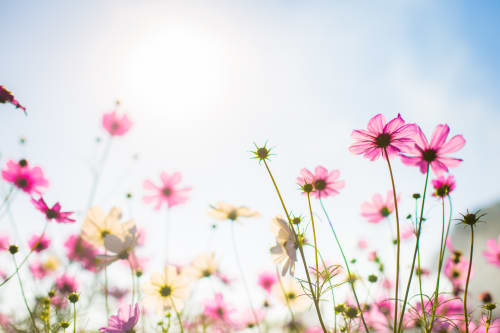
column 224, row 211
column 362, row 244
column 38, row 243
column 492, row 254
column 118, row 293
column 456, row 271
column 78, row 249
column 378, row 209
column 443, row 186
column 7, row 96
column 4, row 242
column 407, row 232
column 249, row 318
column 166, row 290
column 124, row 321
column 66, row 284
column 28, row 179
column 204, row 265
column 168, row 192
column 138, row 264
column 290, row 293
column 266, row 280
column 285, row 249
column 395, row 136
column 53, row 213
column 217, row 309
column 97, row 225
column 423, row 152
column 37, row 269
column 325, row 183
column 120, row 247
column 116, row 124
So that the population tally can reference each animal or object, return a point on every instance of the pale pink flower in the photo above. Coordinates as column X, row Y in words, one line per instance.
column 38, row 270
column 118, row 293
column 492, row 254
column 314, row 330
column 78, row 249
column 443, row 186
column 266, row 281
column 378, row 209
column 249, row 319
column 168, row 192
column 136, row 263
column 7, row 96
column 4, row 242
column 38, row 243
column 372, row 256
column 407, row 232
column 20, row 174
column 218, row 310
column 362, row 244
column 387, row 284
column 324, row 182
column 66, row 284
column 456, row 271
column 395, row 137
column 124, row 321
column 434, row 153
column 116, row 124
column 53, row 213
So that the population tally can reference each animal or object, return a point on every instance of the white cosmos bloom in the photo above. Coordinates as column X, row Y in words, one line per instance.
column 119, row 247
column 285, row 250
column 290, row 292
column 224, row 211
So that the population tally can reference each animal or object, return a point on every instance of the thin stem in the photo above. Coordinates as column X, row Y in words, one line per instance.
column 177, row 314
column 132, row 275
column 301, row 250
column 420, row 273
column 468, row 278
column 417, row 244
column 284, row 295
column 396, row 292
column 106, row 292
column 242, row 273
column 351, row 282
column 23, row 294
column 74, row 317
column 315, row 245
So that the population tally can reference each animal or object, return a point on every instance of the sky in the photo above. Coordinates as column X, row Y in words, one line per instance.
column 203, row 81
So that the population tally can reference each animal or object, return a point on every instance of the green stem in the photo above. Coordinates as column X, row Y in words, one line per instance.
column 468, row 278
column 23, row 294
column 315, row 246
column 177, row 314
column 74, row 317
column 420, row 274
column 284, row 295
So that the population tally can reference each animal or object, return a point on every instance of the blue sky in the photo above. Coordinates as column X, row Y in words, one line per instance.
column 203, row 81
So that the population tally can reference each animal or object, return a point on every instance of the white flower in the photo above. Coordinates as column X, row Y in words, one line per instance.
column 224, row 211
column 120, row 247
column 290, row 292
column 285, row 249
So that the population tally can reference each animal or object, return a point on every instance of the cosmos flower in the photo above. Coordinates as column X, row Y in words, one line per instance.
column 116, row 124
column 7, row 96
column 204, row 265
column 119, row 247
column 168, row 192
column 223, row 211
column 290, row 292
column 455, row 270
column 97, row 225
column 434, row 153
column 285, row 249
column 266, row 280
column 37, row 269
column 118, row 293
column 325, row 183
column 38, row 243
column 378, row 209
column 78, row 249
column 492, row 254
column 395, row 137
column 4, row 242
column 218, row 310
column 66, row 284
column 28, row 179
column 137, row 264
column 53, row 213
column 124, row 321
column 249, row 319
column 166, row 290
column 443, row 186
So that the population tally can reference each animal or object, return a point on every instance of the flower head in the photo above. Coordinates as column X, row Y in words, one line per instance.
column 204, row 265
column 28, row 179
column 97, row 225
column 471, row 219
column 290, row 292
column 262, row 153
column 423, row 153
column 38, row 243
column 78, row 249
column 218, row 310
column 224, row 211
column 116, row 124
column 267, row 280
column 443, row 186
column 456, row 271
column 324, row 183
column 53, row 213
column 492, row 254
column 394, row 137
column 378, row 209
column 124, row 321
column 167, row 192
column 66, row 284
column 285, row 249
column 7, row 96
column 120, row 247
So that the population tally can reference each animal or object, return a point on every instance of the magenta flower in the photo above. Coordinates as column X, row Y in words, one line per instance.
column 434, row 153
column 38, row 243
column 124, row 322
column 325, row 183
column 116, row 124
column 66, row 284
column 168, row 192
column 395, row 137
column 266, row 281
column 28, row 179
column 4, row 242
column 78, row 249
column 492, row 254
column 53, row 213
column 217, row 309
column 7, row 96
column 456, row 271
column 378, row 209
column 443, row 186
column 38, row 270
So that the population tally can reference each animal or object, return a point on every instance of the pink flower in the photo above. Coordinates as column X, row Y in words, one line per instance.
column 372, row 256
column 325, row 183
column 38, row 243
column 314, row 330
column 59, row 301
column 492, row 254
column 168, row 191
column 395, row 137
column 38, row 270
column 378, row 209
column 250, row 319
column 28, row 179
column 115, row 124
column 217, row 309
column 362, row 244
column 267, row 280
column 407, row 232
column 53, row 213
column 7, row 96
column 124, row 322
column 78, row 249
column 136, row 263
column 118, row 293
column 443, row 186
column 456, row 271
column 434, row 153
column 4, row 242
column 66, row 284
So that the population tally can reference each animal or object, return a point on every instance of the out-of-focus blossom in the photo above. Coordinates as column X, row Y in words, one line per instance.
column 38, row 243
column 285, row 250
column 6, row 324
column 249, row 318
column 289, row 292
column 66, row 284
column 204, row 265
column 97, row 225
column 218, row 310
column 4, row 242
column 166, row 290
column 6, row 96
column 167, row 192
column 119, row 247
column 53, row 213
column 492, row 253
column 362, row 244
column 224, row 278
column 314, row 330
column 118, row 293
column 443, row 186
column 456, row 270
column 434, row 153
column 141, row 236
column 224, row 211
column 407, row 232
column 325, row 183
column 124, row 321
column 78, row 249
column 378, row 209
column 116, row 124
column 395, row 137
column 326, row 271
column 28, row 179
column 37, row 269
column 266, row 280
column 137, row 264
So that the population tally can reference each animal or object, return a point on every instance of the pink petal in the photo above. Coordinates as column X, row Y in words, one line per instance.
column 376, row 124
column 320, row 172
column 439, row 136
column 454, row 144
